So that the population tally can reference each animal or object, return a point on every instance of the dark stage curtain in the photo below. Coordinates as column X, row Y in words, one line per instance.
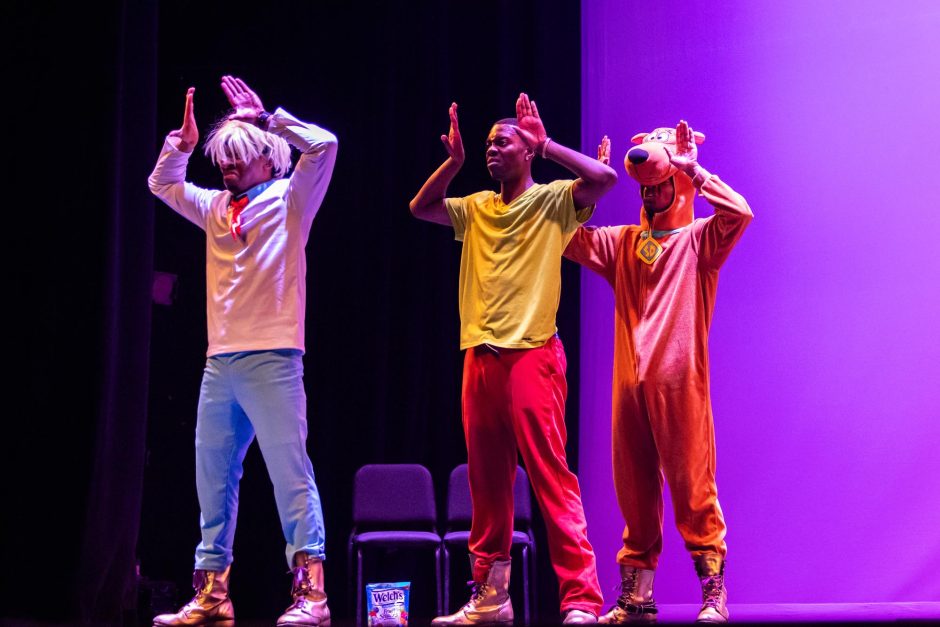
column 109, row 395
column 107, row 584
column 82, row 83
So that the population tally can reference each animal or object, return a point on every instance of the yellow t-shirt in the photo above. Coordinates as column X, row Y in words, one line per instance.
column 510, row 267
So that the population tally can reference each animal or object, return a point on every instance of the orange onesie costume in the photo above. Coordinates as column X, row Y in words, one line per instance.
column 664, row 273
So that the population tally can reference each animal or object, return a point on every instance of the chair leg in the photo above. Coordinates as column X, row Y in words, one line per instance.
column 446, row 595
column 437, row 573
column 525, row 584
column 351, row 580
column 535, row 570
column 359, row 590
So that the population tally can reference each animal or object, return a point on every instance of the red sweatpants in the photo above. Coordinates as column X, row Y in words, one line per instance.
column 514, row 403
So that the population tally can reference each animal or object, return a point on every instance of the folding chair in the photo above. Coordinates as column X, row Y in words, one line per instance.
column 393, row 507
column 457, row 531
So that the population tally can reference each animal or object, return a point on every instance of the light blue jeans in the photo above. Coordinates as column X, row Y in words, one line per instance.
column 243, row 395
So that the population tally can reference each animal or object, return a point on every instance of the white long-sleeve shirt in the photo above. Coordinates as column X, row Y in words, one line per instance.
column 255, row 285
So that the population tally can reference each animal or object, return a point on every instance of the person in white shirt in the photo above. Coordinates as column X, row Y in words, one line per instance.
column 256, row 232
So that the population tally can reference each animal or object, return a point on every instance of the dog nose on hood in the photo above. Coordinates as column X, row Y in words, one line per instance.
column 637, row 156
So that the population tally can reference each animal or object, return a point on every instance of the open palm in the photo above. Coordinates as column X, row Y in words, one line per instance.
column 244, row 101
column 531, row 128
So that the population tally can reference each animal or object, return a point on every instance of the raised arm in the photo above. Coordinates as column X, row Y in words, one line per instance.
column 428, row 204
column 167, row 181
column 595, row 178
column 311, row 175
column 721, row 231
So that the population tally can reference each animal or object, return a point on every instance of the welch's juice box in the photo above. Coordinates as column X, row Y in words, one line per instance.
column 387, row 603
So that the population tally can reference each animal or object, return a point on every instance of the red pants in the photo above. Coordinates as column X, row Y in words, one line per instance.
column 514, row 403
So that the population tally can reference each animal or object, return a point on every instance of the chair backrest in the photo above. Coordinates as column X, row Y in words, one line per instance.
column 460, row 509
column 393, row 496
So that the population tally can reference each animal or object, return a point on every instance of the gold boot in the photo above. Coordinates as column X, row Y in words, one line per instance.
column 711, row 573
column 489, row 604
column 210, row 606
column 635, row 604
column 309, row 608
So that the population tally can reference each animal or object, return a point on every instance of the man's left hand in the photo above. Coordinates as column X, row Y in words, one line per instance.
column 530, row 126
column 246, row 103
column 686, row 156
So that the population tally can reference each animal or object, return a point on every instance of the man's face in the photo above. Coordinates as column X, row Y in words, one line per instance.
column 506, row 153
column 239, row 177
column 658, row 198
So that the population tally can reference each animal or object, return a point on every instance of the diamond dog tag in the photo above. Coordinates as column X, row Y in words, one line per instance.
column 649, row 249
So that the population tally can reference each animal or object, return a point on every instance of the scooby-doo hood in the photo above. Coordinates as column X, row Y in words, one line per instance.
column 648, row 164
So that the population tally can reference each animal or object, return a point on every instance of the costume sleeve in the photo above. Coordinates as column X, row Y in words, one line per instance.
column 457, row 209
column 167, row 183
column 596, row 248
column 311, row 175
column 721, row 231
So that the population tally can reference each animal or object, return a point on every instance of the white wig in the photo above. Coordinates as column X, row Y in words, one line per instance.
column 234, row 140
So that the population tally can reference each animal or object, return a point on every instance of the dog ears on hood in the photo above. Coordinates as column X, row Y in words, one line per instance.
column 639, row 138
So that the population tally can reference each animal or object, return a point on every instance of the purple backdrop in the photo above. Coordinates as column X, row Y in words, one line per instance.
column 825, row 352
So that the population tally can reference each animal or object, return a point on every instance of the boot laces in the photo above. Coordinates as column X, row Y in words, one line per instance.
column 202, row 584
column 711, row 590
column 479, row 590
column 627, row 589
column 301, row 585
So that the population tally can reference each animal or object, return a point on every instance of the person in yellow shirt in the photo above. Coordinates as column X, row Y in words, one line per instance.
column 514, row 386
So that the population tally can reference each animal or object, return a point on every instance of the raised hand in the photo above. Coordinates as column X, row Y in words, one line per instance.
column 530, row 126
column 686, row 156
column 603, row 151
column 246, row 103
column 452, row 141
column 188, row 134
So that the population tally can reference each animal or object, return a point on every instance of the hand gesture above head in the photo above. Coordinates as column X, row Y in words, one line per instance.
column 686, row 156
column 603, row 151
column 187, row 136
column 530, row 127
column 452, row 141
column 246, row 103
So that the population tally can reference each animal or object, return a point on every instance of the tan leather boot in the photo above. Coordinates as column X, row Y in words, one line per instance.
column 210, row 606
column 489, row 604
column 635, row 604
column 711, row 573
column 309, row 608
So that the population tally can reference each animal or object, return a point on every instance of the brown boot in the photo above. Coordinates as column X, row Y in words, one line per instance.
column 210, row 606
column 309, row 608
column 489, row 603
column 635, row 604
column 711, row 573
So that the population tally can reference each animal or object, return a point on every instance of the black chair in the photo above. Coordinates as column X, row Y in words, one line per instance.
column 457, row 533
column 393, row 507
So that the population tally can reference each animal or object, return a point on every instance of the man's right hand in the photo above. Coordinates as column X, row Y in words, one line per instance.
column 187, row 136
column 452, row 141
column 603, row 151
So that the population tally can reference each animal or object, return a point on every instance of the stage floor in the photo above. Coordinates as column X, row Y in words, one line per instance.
column 811, row 612
column 757, row 614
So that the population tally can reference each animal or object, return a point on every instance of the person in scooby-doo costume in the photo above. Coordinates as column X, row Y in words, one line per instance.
column 664, row 273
